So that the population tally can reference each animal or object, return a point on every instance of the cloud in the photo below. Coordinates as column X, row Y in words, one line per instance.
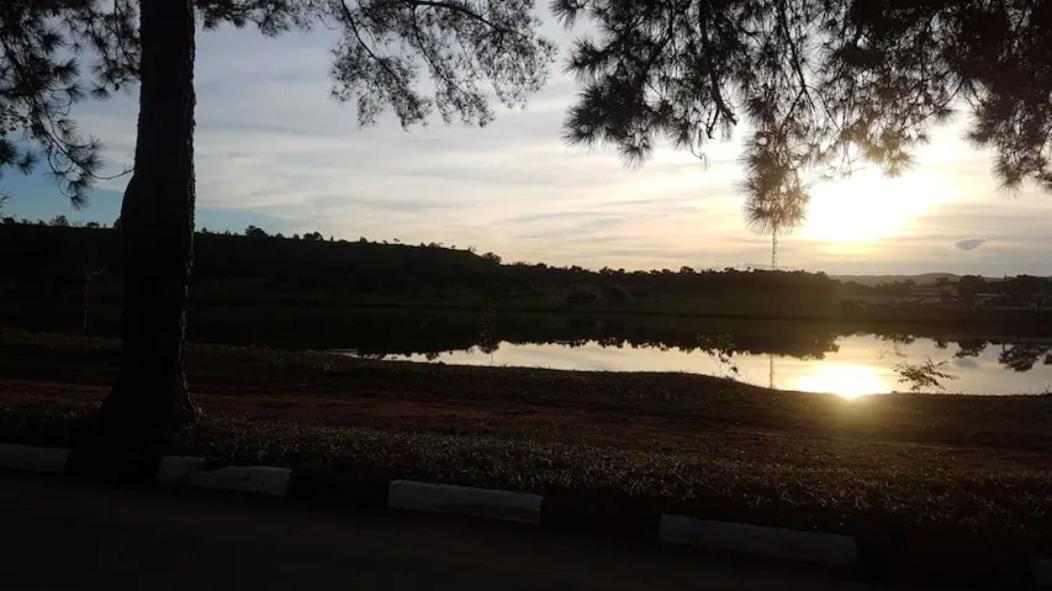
column 273, row 149
column 970, row 243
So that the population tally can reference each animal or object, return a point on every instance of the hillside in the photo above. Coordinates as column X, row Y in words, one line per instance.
column 259, row 268
column 57, row 276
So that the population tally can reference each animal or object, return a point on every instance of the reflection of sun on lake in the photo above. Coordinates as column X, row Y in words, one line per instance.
column 847, row 380
column 856, row 365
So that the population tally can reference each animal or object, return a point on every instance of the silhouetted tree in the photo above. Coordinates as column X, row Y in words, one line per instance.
column 488, row 343
column 820, row 84
column 383, row 48
column 775, row 213
column 970, row 348
column 968, row 287
column 1022, row 357
column 921, row 376
column 1022, row 289
column 59, row 220
column 255, row 232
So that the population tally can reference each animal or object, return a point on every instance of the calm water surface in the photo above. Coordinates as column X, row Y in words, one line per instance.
column 857, row 364
column 850, row 359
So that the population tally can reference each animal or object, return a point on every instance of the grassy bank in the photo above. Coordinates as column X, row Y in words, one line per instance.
column 689, row 443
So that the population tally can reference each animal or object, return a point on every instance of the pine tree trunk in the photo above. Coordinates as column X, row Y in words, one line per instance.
column 157, row 220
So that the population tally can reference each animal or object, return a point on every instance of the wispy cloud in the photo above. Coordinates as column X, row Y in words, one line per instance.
column 272, row 147
column 969, row 243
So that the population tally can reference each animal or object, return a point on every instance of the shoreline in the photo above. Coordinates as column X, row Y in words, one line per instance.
column 689, row 444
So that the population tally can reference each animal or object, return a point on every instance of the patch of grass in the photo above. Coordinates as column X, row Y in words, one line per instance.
column 818, row 493
column 685, row 443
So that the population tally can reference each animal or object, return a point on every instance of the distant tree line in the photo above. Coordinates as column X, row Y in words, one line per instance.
column 54, row 253
column 59, row 255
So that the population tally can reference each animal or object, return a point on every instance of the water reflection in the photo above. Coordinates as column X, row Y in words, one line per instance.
column 847, row 358
column 845, row 379
column 855, row 365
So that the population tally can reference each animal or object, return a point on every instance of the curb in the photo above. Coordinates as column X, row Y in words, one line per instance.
column 191, row 471
column 1043, row 572
column 462, row 500
column 773, row 542
column 33, row 459
column 524, row 508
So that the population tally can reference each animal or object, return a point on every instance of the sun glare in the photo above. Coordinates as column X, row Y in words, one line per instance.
column 846, row 380
column 869, row 206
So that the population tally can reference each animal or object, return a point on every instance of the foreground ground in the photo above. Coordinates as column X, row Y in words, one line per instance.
column 76, row 536
column 709, row 447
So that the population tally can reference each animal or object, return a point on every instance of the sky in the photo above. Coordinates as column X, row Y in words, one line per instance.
column 274, row 149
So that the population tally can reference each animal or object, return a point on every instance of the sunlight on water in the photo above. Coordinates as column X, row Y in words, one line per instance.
column 853, row 366
column 847, row 380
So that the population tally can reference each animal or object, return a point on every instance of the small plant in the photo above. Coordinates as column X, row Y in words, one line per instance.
column 720, row 347
column 488, row 342
column 925, row 375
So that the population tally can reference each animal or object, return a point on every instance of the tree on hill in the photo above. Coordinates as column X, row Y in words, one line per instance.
column 968, row 288
column 384, row 48
column 821, row 85
column 255, row 232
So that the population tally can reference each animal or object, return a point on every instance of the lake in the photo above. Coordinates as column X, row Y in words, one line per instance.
column 859, row 364
column 848, row 358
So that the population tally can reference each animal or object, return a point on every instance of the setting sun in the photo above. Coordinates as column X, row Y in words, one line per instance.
column 846, row 380
column 869, row 206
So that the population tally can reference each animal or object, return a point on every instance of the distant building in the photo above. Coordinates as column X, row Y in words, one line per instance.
column 988, row 299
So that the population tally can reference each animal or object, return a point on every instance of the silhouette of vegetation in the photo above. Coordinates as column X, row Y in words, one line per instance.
column 970, row 348
column 382, row 49
column 969, row 287
column 44, row 261
column 310, row 269
column 488, row 341
column 1023, row 356
column 396, row 299
column 897, row 288
column 682, row 442
column 820, row 85
column 775, row 214
column 921, row 376
column 719, row 347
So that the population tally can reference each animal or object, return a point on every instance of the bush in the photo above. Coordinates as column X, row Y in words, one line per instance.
column 580, row 297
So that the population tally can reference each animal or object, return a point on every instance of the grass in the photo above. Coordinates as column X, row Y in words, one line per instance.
column 704, row 446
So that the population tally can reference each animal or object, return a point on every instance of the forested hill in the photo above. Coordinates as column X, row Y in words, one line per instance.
column 257, row 267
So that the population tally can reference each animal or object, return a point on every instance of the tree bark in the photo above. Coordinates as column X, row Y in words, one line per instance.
column 157, row 222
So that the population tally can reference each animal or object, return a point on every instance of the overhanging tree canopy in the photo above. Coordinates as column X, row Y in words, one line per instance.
column 53, row 53
column 820, row 84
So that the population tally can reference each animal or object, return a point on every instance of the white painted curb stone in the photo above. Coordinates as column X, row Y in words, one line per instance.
column 177, row 469
column 774, row 542
column 1043, row 571
column 253, row 479
column 32, row 458
column 479, row 502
